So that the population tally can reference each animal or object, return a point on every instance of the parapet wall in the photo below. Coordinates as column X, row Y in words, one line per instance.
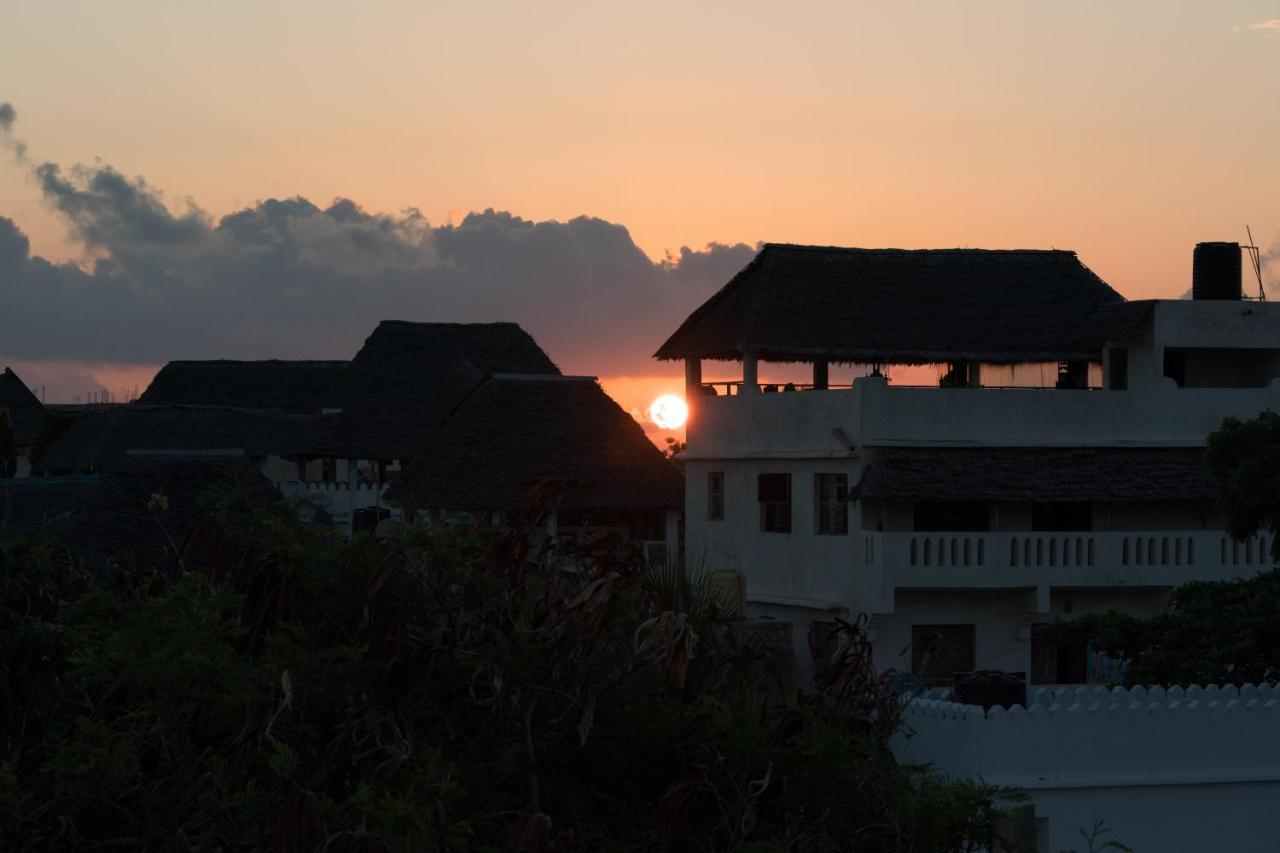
column 1092, row 736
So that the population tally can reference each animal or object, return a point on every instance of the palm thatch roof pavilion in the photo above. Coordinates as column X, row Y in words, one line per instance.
column 826, row 305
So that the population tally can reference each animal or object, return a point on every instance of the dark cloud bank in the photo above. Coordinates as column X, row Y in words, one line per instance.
column 287, row 278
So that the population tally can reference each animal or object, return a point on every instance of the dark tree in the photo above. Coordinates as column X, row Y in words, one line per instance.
column 495, row 692
column 1213, row 632
column 1244, row 457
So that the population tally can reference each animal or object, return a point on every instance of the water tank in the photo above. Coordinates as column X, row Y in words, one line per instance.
column 988, row 687
column 1215, row 271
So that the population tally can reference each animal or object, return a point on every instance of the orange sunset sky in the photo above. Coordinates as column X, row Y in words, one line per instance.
column 1124, row 131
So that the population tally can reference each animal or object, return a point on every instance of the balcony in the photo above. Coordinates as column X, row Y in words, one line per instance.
column 1020, row 560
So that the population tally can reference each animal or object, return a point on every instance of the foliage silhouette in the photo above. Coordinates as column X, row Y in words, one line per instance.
column 500, row 691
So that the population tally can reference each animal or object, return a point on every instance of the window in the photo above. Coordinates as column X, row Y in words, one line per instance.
column 1061, row 516
column 952, row 516
column 1057, row 661
column 329, row 471
column 715, row 496
column 1175, row 366
column 774, row 494
column 832, row 503
column 1119, row 357
column 938, row 652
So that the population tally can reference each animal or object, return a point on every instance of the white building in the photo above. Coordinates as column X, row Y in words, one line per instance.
column 1055, row 469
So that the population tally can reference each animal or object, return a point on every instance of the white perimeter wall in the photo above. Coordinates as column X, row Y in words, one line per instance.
column 1195, row 769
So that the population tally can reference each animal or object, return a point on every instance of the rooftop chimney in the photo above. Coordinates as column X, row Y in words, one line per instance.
column 1215, row 271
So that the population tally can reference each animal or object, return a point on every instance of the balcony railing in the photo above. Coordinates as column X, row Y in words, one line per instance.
column 1070, row 558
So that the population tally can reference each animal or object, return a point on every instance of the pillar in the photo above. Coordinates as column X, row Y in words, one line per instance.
column 692, row 378
column 750, row 376
column 820, row 375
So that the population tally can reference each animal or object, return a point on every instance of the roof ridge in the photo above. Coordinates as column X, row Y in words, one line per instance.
column 814, row 247
column 450, row 323
column 257, row 361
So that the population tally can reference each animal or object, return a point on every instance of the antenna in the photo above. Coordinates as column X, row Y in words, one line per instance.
column 1255, row 261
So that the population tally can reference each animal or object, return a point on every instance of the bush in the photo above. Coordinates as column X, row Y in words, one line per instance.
column 477, row 693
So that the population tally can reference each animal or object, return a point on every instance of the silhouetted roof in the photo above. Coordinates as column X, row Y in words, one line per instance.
column 1037, row 474
column 409, row 377
column 105, row 437
column 97, row 518
column 406, row 379
column 512, row 433
column 25, row 409
column 1115, row 321
column 800, row 303
column 437, row 363
column 304, row 386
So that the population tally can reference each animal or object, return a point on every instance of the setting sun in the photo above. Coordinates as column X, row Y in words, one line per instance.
column 668, row 411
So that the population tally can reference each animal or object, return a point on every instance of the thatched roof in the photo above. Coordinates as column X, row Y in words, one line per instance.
column 1037, row 474
column 104, row 437
column 25, row 409
column 513, row 433
column 98, row 518
column 801, row 303
column 1115, row 322
column 436, row 364
column 405, row 380
column 303, row 386
column 409, row 377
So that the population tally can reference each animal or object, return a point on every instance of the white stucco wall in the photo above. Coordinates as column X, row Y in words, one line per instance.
column 801, row 566
column 873, row 413
column 1177, row 770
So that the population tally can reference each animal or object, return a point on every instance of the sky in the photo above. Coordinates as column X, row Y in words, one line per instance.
column 250, row 180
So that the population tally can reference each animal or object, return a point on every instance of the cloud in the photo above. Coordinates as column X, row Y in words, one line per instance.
column 1271, row 266
column 288, row 278
column 1266, row 28
column 8, row 115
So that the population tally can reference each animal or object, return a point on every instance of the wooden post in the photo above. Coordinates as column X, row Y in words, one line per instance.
column 692, row 385
column 820, row 375
column 692, row 378
column 750, row 377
